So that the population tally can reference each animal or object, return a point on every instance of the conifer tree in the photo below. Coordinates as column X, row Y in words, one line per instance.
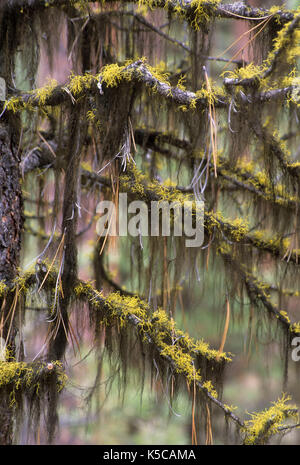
column 148, row 110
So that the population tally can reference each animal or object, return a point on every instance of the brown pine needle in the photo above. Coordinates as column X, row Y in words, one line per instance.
column 236, row 41
column 132, row 134
column 14, row 305
column 209, row 436
column 106, row 235
column 115, row 199
column 194, row 432
column 250, row 333
column 224, row 336
column 207, row 256
column 47, row 143
column 247, row 43
column 2, row 317
column 165, row 278
column 212, row 123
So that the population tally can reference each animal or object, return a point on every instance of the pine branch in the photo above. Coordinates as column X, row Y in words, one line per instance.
column 175, row 347
column 233, row 231
column 274, row 146
column 137, row 72
column 180, row 355
column 258, row 293
column 236, row 10
column 236, row 175
column 23, row 376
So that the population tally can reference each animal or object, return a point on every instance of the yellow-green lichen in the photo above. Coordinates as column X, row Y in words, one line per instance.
column 43, row 93
column 21, row 376
column 203, row 11
column 265, row 424
column 183, row 362
column 284, row 314
column 250, row 71
column 112, row 75
column 79, row 83
column 209, row 387
column 295, row 328
column 3, row 288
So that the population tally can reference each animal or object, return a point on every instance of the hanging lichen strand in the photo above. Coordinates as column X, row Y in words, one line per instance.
column 156, row 113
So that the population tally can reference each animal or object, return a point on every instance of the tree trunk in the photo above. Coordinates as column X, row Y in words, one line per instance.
column 10, row 243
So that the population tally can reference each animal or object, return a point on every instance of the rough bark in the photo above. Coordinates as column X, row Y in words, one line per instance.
column 10, row 243
column 10, row 205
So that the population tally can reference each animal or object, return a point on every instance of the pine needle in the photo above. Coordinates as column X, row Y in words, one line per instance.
column 224, row 336
column 209, row 436
column 194, row 432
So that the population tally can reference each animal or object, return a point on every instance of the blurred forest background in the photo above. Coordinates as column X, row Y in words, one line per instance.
column 252, row 380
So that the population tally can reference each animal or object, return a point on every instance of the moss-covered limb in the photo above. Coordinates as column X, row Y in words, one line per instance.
column 42, row 156
column 270, row 421
column 259, row 292
column 283, row 291
column 274, row 146
column 22, row 376
column 155, row 331
column 108, row 280
column 244, row 176
column 113, row 76
column 29, row 279
column 236, row 231
column 135, row 72
column 185, row 8
column 243, row 173
column 284, row 202
column 40, row 385
column 186, row 356
column 264, row 193
column 242, row 10
column 122, row 307
column 139, row 71
column 149, row 138
column 287, row 428
column 286, row 42
column 31, row 100
column 239, row 175
column 283, row 44
column 90, row 178
column 274, row 94
column 155, row 324
column 177, row 348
